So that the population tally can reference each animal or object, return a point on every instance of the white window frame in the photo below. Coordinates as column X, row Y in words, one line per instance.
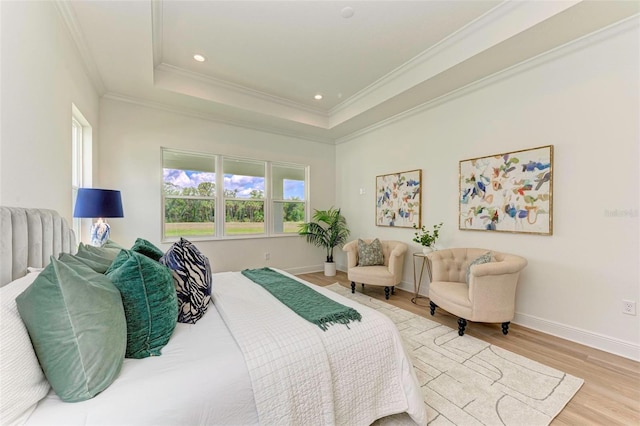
column 220, row 200
column 81, row 162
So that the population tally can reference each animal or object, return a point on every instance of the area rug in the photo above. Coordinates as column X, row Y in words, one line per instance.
column 466, row 381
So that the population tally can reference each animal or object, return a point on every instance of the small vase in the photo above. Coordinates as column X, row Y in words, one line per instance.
column 426, row 250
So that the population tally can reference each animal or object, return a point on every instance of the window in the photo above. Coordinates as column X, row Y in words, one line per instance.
column 243, row 197
column 189, row 194
column 257, row 198
column 81, row 158
column 288, row 197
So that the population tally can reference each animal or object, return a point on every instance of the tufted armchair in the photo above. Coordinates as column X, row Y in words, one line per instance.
column 490, row 293
column 387, row 275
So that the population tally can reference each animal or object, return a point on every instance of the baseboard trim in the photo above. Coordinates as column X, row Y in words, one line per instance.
column 304, row 269
column 588, row 338
column 574, row 334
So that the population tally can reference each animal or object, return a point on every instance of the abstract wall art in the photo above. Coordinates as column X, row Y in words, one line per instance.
column 398, row 199
column 510, row 192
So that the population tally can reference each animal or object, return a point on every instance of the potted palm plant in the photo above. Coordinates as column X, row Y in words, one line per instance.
column 328, row 229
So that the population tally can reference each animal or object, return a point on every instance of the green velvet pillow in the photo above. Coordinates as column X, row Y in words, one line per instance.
column 143, row 246
column 77, row 326
column 485, row 258
column 370, row 254
column 112, row 244
column 100, row 257
column 96, row 265
column 149, row 299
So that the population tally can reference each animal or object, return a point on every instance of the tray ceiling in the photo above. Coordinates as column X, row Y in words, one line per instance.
column 266, row 60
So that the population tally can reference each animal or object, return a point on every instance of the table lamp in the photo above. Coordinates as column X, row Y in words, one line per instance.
column 98, row 203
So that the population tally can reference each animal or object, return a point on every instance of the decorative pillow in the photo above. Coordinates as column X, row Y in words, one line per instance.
column 113, row 245
column 77, row 326
column 23, row 383
column 370, row 254
column 192, row 279
column 101, row 257
column 149, row 299
column 143, row 246
column 92, row 262
column 485, row 258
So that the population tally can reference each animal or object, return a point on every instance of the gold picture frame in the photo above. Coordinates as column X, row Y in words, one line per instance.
column 508, row 192
column 399, row 199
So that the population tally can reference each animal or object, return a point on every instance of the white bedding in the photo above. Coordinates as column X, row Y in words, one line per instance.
column 202, row 378
column 302, row 375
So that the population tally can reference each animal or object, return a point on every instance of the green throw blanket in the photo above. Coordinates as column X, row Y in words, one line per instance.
column 303, row 300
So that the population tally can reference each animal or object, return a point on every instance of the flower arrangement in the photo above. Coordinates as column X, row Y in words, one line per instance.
column 425, row 237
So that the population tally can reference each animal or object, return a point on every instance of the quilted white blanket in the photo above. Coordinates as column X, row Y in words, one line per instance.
column 302, row 375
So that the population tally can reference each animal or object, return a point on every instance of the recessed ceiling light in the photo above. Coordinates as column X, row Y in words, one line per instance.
column 347, row 12
column 317, row 97
column 199, row 58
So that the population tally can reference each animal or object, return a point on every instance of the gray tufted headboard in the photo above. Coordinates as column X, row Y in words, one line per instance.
column 28, row 237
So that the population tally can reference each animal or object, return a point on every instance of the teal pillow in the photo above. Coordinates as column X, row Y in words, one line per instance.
column 370, row 254
column 149, row 299
column 95, row 265
column 77, row 327
column 143, row 246
column 112, row 244
column 485, row 258
column 102, row 256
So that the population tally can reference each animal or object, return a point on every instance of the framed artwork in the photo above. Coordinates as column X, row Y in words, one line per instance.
column 398, row 199
column 510, row 192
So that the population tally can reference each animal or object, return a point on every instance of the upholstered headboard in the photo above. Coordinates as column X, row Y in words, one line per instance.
column 28, row 237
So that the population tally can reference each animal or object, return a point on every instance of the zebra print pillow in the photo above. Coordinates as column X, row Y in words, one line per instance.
column 192, row 277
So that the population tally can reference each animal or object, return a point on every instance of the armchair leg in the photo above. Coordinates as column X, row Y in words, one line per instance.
column 353, row 287
column 462, row 324
column 505, row 327
column 386, row 293
column 432, row 308
column 393, row 289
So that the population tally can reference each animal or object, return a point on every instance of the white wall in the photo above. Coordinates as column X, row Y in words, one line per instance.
column 130, row 160
column 41, row 76
column 583, row 99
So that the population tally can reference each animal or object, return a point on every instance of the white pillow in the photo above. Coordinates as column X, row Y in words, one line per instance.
column 23, row 383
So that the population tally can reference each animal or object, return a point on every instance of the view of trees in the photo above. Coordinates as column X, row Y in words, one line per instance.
column 198, row 205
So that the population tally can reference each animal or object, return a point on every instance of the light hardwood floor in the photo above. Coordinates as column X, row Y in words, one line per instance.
column 611, row 391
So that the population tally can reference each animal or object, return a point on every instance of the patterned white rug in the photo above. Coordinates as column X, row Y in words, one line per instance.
column 466, row 381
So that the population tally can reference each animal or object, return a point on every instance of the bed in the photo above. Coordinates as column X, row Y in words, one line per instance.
column 248, row 360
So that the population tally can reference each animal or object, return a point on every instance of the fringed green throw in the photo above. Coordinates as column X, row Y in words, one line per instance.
column 303, row 300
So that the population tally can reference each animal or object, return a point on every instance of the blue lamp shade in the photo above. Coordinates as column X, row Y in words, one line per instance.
column 98, row 203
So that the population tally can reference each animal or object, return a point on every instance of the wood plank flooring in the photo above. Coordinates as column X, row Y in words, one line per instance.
column 611, row 391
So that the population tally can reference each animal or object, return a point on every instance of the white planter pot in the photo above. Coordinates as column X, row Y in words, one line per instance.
column 427, row 250
column 329, row 269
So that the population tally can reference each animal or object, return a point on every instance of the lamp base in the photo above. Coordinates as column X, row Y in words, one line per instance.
column 100, row 233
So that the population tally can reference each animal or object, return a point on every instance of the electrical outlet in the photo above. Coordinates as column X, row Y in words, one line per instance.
column 629, row 307
column 267, row 256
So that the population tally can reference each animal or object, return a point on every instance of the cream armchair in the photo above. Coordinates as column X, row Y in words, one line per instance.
column 387, row 275
column 490, row 294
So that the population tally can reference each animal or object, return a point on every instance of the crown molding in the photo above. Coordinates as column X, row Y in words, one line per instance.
column 627, row 24
column 71, row 22
column 211, row 117
column 179, row 80
column 439, row 57
column 216, row 83
column 156, row 31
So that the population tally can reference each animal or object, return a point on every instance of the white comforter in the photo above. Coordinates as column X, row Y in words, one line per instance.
column 202, row 377
column 302, row 375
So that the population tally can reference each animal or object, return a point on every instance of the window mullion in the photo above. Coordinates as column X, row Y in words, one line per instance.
column 221, row 213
